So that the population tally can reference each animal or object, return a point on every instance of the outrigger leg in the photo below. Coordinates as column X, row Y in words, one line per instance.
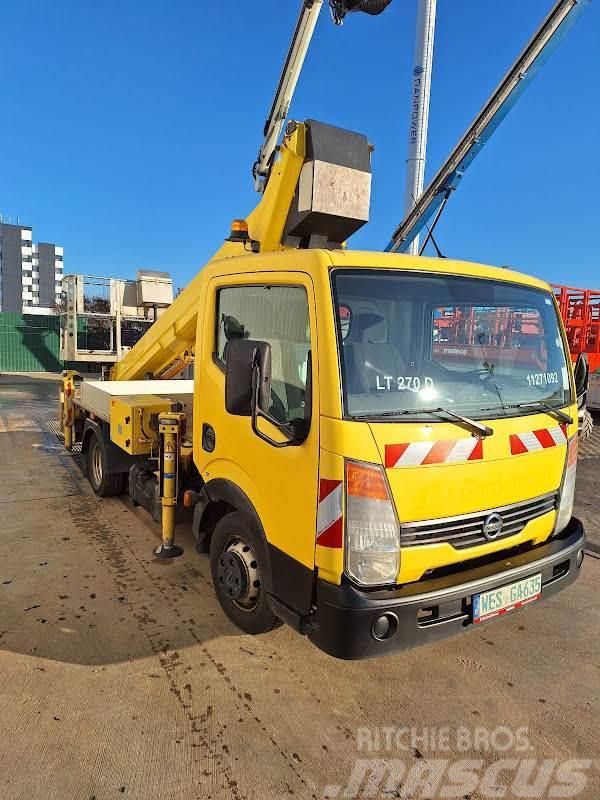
column 170, row 434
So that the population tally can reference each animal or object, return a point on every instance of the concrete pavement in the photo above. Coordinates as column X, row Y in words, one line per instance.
column 121, row 677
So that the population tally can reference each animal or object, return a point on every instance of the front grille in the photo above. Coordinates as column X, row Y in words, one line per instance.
column 467, row 530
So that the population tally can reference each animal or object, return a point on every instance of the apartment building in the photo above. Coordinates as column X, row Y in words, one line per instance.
column 30, row 274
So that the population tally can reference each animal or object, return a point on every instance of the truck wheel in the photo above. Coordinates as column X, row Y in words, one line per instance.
column 103, row 484
column 586, row 425
column 236, row 561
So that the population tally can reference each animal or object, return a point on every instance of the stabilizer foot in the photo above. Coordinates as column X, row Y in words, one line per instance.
column 167, row 552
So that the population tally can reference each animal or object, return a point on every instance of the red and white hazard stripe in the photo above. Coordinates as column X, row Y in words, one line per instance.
column 329, row 513
column 537, row 440
column 451, row 451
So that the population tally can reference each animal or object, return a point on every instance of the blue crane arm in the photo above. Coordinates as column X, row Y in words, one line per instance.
column 555, row 27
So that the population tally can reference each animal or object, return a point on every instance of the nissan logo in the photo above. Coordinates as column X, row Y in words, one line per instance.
column 492, row 527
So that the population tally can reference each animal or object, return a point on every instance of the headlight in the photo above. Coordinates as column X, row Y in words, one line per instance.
column 372, row 531
column 567, row 492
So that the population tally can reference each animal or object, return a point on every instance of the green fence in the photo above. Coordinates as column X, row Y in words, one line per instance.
column 29, row 343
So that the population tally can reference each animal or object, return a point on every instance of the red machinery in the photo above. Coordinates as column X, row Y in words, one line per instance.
column 580, row 310
column 505, row 334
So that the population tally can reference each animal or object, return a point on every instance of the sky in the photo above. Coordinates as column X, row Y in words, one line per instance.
column 129, row 128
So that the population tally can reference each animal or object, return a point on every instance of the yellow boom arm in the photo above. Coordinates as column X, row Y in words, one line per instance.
column 168, row 347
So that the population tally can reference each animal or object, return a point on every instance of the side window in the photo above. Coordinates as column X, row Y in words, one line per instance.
column 277, row 315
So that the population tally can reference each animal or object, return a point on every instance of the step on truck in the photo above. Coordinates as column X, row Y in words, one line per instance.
column 377, row 449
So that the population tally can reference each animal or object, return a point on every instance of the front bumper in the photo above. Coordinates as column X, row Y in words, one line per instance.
column 345, row 621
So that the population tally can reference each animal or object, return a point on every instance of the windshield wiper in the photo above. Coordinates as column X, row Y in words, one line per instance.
column 477, row 428
column 560, row 415
column 489, row 368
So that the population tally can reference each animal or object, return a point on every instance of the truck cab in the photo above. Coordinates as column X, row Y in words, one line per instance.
column 393, row 439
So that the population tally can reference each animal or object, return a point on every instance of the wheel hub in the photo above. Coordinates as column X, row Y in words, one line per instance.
column 238, row 574
column 232, row 575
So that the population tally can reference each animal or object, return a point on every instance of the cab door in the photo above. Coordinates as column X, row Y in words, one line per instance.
column 280, row 482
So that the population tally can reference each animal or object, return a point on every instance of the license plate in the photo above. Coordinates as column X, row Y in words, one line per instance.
column 488, row 605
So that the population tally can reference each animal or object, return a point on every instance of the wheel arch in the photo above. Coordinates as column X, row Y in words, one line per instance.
column 219, row 497
column 89, row 429
column 116, row 460
column 290, row 585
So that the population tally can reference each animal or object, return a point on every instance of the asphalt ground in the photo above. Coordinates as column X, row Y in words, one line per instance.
column 121, row 677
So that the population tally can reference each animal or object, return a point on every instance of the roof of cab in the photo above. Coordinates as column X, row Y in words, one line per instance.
column 356, row 259
column 316, row 259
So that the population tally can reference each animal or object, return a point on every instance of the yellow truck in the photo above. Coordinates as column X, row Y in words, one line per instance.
column 379, row 449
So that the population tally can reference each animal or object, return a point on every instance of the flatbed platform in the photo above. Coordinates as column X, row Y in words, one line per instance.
column 95, row 396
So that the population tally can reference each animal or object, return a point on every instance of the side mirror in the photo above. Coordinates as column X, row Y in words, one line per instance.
column 248, row 370
column 582, row 376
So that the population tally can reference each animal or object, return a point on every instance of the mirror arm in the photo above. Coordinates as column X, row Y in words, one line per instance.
column 257, row 413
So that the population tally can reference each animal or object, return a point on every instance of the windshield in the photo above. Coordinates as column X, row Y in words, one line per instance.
column 411, row 344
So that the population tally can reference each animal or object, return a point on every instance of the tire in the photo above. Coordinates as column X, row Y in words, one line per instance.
column 237, row 559
column 103, row 484
column 586, row 425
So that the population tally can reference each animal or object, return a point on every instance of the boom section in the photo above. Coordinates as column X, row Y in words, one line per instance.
column 555, row 27
column 301, row 39
column 168, row 347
